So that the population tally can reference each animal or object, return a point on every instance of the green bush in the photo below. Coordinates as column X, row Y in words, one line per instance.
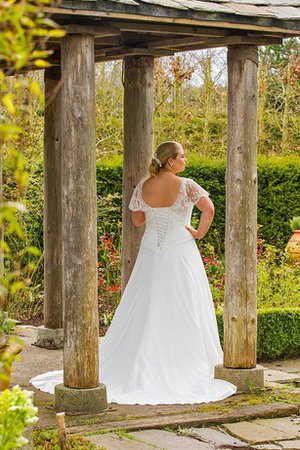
column 16, row 414
column 278, row 332
column 277, row 280
column 278, row 195
column 278, row 198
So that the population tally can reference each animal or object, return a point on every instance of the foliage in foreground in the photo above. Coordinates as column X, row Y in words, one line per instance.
column 16, row 413
column 24, row 32
column 47, row 440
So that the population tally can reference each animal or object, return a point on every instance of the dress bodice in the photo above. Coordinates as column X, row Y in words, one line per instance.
column 165, row 226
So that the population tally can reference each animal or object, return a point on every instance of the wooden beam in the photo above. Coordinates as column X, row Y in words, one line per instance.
column 194, row 42
column 94, row 30
column 240, row 317
column 107, row 41
column 173, row 42
column 138, row 146
column 127, row 51
column 230, row 40
column 234, row 25
column 155, row 28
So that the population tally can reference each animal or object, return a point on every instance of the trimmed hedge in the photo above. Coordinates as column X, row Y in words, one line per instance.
column 278, row 198
column 278, row 332
column 278, row 195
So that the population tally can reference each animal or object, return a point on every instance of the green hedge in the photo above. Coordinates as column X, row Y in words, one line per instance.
column 278, row 332
column 278, row 195
column 278, row 198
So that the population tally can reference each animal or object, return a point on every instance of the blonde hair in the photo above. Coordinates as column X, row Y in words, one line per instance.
column 164, row 152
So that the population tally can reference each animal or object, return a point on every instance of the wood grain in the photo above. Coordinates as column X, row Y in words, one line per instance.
column 81, row 322
column 240, row 318
column 53, row 298
column 138, row 147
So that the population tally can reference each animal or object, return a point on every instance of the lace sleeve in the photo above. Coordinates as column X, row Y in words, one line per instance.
column 194, row 191
column 136, row 203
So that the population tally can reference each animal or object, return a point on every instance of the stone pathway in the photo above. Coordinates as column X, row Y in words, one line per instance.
column 260, row 434
column 150, row 426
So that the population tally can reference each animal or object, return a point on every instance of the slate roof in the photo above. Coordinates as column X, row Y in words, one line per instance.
column 280, row 11
column 164, row 27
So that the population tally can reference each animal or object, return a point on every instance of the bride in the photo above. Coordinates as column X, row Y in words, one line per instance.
column 163, row 342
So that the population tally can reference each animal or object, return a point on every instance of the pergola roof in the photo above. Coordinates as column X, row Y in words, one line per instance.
column 164, row 27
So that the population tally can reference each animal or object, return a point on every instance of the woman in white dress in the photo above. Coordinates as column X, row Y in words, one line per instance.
column 163, row 342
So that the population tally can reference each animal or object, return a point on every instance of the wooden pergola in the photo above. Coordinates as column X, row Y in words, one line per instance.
column 139, row 31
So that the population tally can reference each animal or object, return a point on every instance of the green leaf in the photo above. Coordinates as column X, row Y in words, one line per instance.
column 41, row 63
column 9, row 130
column 8, row 103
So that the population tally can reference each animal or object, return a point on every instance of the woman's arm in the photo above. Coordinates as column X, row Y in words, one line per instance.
column 138, row 218
column 206, row 206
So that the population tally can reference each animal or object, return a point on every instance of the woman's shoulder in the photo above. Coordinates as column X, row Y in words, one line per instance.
column 189, row 181
column 193, row 190
column 141, row 182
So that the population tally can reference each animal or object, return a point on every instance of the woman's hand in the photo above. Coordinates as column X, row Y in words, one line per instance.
column 194, row 233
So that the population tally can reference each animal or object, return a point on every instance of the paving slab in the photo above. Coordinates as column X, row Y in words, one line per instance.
column 197, row 419
column 285, row 424
column 255, row 433
column 35, row 360
column 286, row 365
column 216, row 438
column 170, row 441
column 279, row 375
column 290, row 445
column 115, row 442
column 267, row 447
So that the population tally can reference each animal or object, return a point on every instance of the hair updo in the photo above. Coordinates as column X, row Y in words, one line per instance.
column 163, row 153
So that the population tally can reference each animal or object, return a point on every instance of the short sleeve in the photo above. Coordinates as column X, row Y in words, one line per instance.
column 194, row 191
column 136, row 203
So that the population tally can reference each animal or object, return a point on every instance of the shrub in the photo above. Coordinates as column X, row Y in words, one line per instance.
column 278, row 198
column 295, row 223
column 278, row 195
column 278, row 332
column 16, row 413
column 48, row 440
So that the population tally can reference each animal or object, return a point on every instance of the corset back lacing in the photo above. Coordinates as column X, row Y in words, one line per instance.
column 161, row 216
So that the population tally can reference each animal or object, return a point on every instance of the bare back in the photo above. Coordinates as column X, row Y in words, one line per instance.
column 161, row 191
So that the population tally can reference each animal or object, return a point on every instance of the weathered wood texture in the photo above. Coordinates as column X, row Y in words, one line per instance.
column 240, row 318
column 53, row 298
column 2, row 295
column 129, row 27
column 264, row 13
column 81, row 324
column 138, row 147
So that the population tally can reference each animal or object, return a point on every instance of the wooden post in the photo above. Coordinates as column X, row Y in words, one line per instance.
column 81, row 390
column 2, row 295
column 240, row 317
column 138, row 147
column 241, row 209
column 61, row 430
column 51, row 335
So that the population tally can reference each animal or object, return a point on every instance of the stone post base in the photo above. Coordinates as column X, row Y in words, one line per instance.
column 245, row 379
column 80, row 401
column 50, row 338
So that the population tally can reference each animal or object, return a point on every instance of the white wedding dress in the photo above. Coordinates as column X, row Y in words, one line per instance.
column 163, row 342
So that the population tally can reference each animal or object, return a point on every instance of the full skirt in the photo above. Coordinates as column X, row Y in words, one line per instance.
column 163, row 342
